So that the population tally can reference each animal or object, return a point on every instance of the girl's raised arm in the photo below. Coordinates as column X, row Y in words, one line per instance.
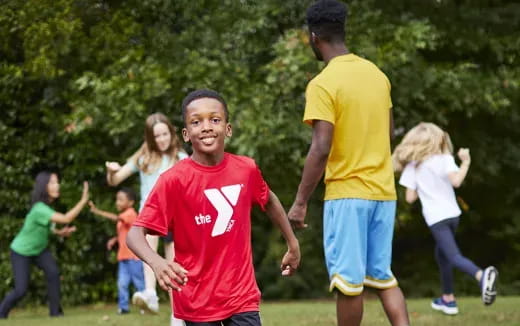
column 117, row 173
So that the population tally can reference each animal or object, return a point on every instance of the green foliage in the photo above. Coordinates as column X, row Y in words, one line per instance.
column 77, row 79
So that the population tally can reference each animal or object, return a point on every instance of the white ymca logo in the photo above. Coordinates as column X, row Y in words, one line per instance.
column 223, row 205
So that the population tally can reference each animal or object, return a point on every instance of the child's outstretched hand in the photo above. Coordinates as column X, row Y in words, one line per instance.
column 112, row 167
column 170, row 275
column 464, row 155
column 93, row 207
column 290, row 262
column 111, row 242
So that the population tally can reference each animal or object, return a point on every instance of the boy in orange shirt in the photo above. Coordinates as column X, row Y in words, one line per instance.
column 130, row 268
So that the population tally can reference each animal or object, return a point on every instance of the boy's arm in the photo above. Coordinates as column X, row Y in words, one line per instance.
column 105, row 214
column 275, row 211
column 313, row 170
column 165, row 271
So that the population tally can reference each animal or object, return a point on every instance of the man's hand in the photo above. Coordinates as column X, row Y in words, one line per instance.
column 170, row 275
column 297, row 214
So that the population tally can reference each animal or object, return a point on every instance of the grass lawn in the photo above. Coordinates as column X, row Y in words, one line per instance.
column 506, row 311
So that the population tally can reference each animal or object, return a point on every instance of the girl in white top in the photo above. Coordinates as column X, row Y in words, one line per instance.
column 161, row 149
column 430, row 174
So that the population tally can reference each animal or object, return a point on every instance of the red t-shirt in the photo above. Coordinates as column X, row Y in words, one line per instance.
column 208, row 209
column 124, row 224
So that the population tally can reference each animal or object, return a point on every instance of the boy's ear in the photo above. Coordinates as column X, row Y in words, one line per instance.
column 229, row 130
column 185, row 135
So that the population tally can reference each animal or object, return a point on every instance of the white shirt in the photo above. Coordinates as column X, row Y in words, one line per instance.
column 433, row 186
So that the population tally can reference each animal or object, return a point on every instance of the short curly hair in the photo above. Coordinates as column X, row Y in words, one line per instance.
column 203, row 93
column 326, row 18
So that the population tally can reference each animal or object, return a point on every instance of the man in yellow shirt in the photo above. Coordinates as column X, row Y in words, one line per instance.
column 348, row 106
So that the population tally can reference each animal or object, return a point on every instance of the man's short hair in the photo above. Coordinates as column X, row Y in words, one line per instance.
column 326, row 18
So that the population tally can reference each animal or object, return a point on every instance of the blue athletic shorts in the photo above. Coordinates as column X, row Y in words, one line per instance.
column 357, row 238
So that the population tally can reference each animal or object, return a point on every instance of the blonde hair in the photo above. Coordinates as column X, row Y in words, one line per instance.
column 422, row 141
column 148, row 156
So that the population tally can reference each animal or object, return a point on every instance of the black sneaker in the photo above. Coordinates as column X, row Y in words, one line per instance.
column 122, row 311
column 489, row 285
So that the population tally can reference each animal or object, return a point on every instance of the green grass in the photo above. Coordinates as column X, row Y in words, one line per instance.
column 506, row 311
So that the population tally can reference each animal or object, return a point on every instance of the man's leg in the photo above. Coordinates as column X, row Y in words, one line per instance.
column 395, row 306
column 349, row 309
column 379, row 274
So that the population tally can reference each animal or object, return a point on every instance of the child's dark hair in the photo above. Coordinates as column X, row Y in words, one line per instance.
column 39, row 192
column 203, row 93
column 129, row 192
column 326, row 18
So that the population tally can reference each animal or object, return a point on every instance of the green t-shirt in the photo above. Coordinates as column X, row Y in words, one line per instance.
column 34, row 235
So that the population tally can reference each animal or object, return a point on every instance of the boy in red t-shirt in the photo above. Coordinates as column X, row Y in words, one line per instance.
column 130, row 268
column 206, row 202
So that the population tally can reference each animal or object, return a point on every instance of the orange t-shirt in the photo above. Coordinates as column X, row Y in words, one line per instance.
column 126, row 219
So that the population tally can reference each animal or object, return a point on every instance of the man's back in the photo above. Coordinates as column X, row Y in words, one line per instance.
column 354, row 95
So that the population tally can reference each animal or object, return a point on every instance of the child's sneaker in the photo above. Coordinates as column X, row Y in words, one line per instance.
column 122, row 311
column 449, row 308
column 488, row 285
column 146, row 301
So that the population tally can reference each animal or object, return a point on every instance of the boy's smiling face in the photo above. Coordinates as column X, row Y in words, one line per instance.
column 206, row 129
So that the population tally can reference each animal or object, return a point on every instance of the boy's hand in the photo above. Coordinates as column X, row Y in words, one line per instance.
column 464, row 155
column 112, row 167
column 297, row 215
column 93, row 207
column 111, row 243
column 290, row 261
column 170, row 275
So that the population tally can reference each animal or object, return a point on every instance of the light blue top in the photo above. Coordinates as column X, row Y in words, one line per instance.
column 148, row 180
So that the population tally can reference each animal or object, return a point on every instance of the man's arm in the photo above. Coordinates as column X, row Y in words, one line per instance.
column 165, row 271
column 392, row 133
column 275, row 211
column 313, row 170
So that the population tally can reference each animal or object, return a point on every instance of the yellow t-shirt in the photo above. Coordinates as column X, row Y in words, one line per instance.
column 354, row 95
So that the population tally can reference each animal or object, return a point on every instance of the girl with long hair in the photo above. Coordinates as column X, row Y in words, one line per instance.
column 429, row 172
column 160, row 150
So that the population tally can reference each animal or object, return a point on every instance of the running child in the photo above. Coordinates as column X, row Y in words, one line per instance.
column 206, row 202
column 430, row 174
column 30, row 246
column 130, row 268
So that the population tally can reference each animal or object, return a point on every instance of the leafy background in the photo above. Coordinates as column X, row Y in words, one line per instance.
column 78, row 78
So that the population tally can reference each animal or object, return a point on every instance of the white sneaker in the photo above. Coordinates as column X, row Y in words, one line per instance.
column 176, row 322
column 149, row 303
column 489, row 286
